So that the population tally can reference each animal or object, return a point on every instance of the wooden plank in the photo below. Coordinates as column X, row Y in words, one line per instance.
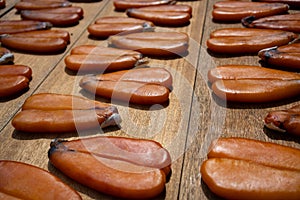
column 212, row 118
column 185, row 126
column 9, row 5
column 166, row 124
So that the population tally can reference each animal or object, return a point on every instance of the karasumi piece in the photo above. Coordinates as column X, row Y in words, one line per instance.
column 247, row 40
column 123, row 5
column 144, row 86
column 63, row 113
column 45, row 34
column 64, row 16
column 19, row 26
column 153, row 75
column 284, row 120
column 15, row 70
column 12, row 84
column 53, row 101
column 256, row 90
column 265, row 153
column 287, row 22
column 240, row 72
column 234, row 11
column 246, row 180
column 2, row 3
column 112, row 25
column 61, row 121
column 236, row 84
column 118, row 166
column 6, row 56
column 162, row 44
column 240, row 168
column 100, row 50
column 294, row 4
column 140, row 152
column 287, row 56
column 163, row 15
column 38, row 5
column 17, row 183
column 14, row 79
column 42, row 41
column 92, row 58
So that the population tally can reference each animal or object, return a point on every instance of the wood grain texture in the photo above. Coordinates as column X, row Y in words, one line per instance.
column 9, row 4
column 219, row 118
column 185, row 125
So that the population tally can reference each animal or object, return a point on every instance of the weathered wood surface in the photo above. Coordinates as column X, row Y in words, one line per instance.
column 185, row 126
column 9, row 4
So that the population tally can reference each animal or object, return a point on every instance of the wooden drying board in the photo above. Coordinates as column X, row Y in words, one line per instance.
column 185, row 126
